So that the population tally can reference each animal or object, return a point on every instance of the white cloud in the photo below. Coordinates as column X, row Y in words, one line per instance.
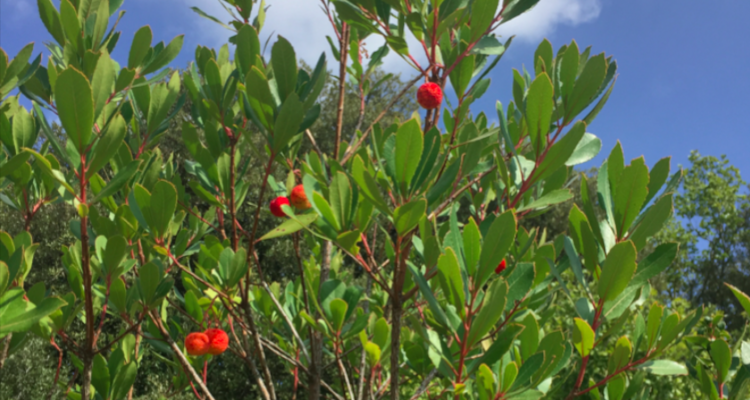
column 305, row 25
column 547, row 15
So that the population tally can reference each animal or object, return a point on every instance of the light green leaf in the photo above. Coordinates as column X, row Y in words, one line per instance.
column 373, row 354
column 124, row 380
column 140, row 46
column 482, row 15
column 288, row 122
column 338, row 313
column 248, row 48
column 165, row 56
column 664, row 367
column 551, row 198
column 367, row 185
column 107, row 145
column 630, row 193
column 652, row 222
column 290, row 226
column 583, row 337
column 100, row 375
column 587, row 148
column 616, row 387
column 23, row 321
column 741, row 297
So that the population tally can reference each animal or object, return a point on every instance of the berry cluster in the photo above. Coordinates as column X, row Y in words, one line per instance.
column 213, row 341
column 297, row 198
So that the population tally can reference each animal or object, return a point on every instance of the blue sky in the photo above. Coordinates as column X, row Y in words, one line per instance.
column 682, row 80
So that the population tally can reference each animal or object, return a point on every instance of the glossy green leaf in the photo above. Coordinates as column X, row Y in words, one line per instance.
column 657, row 177
column 548, row 199
column 616, row 387
column 248, row 48
column 100, row 375
column 426, row 291
column 124, row 379
column 586, row 86
column 652, row 221
column 122, row 177
column 288, row 122
column 367, row 185
column 482, row 15
column 165, row 56
column 51, row 19
column 24, row 320
column 290, row 226
column 108, row 144
column 586, row 149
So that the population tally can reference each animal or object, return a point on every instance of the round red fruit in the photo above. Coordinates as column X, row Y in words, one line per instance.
column 500, row 267
column 298, row 198
column 430, row 95
column 218, row 341
column 197, row 344
column 276, row 206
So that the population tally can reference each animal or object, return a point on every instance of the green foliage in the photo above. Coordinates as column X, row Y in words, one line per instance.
column 421, row 238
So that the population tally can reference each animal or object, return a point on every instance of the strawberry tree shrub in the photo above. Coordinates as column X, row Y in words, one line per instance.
column 412, row 276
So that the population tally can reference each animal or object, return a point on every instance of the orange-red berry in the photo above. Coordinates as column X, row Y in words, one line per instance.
column 430, row 95
column 197, row 344
column 276, row 206
column 218, row 341
column 500, row 267
column 298, row 198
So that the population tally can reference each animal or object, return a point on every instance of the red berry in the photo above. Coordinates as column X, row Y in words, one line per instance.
column 218, row 341
column 500, row 267
column 299, row 198
column 276, row 206
column 197, row 344
column 430, row 95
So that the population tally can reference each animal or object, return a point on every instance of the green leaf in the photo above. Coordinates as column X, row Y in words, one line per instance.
column 51, row 19
column 529, row 337
column 497, row 242
column 163, row 97
column 140, row 46
column 560, row 152
column 149, row 279
column 498, row 348
column 75, row 106
column 655, row 263
column 587, row 86
column 114, row 253
column 621, row 355
column 491, row 311
column 451, row 281
column 617, row 270
column 124, row 380
column 288, row 122
column 342, row 198
column 108, row 144
column 588, row 147
column 482, row 14
column 373, row 354
column 338, row 313
column 424, row 288
column 409, row 146
column 290, row 226
column 539, row 105
column 652, row 222
column 741, row 297
column 472, row 245
column 70, row 24
column 658, row 175
column 664, row 367
column 248, row 48
column 103, row 82
column 165, row 56
column 551, row 198
column 122, row 177
column 100, row 375
column 520, row 282
column 100, row 23
column 157, row 207
column 284, row 63
column 408, row 215
column 14, row 163
column 616, row 387
column 368, row 186
column 24, row 320
column 583, row 337
column 630, row 193
column 569, row 71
